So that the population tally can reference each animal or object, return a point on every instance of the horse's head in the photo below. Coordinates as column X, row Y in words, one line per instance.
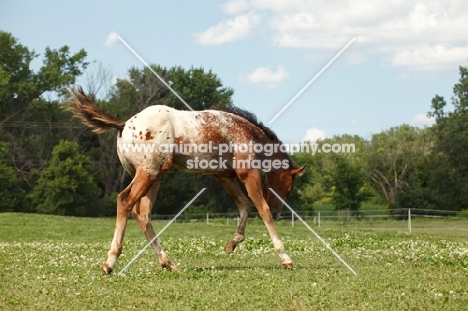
column 281, row 181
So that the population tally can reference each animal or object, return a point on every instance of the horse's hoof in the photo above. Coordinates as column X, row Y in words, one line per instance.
column 229, row 247
column 288, row 266
column 166, row 263
column 106, row 270
column 170, row 266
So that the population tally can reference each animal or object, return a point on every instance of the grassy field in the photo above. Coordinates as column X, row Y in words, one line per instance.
column 51, row 262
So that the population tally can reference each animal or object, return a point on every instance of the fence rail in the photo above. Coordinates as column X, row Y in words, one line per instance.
column 318, row 216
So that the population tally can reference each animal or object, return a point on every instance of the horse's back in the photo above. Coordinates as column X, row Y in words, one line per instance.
column 149, row 135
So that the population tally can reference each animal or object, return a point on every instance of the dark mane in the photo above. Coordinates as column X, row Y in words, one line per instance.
column 251, row 117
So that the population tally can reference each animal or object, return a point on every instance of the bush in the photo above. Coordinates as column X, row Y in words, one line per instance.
column 107, row 206
column 66, row 186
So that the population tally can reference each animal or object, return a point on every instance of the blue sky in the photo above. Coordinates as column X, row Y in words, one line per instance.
column 405, row 52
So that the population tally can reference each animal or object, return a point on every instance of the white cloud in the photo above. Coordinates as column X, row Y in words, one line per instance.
column 431, row 57
column 314, row 134
column 291, row 22
column 283, row 6
column 429, row 35
column 263, row 76
column 355, row 58
column 112, row 37
column 235, row 6
column 423, row 120
column 231, row 30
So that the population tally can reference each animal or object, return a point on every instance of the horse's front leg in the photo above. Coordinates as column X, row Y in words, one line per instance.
column 253, row 185
column 233, row 189
column 278, row 245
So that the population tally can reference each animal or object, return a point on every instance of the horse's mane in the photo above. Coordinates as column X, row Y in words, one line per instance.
column 251, row 117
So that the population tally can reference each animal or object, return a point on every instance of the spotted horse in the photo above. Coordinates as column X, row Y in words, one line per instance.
column 160, row 125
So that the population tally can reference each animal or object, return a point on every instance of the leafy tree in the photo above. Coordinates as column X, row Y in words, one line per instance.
column 348, row 181
column 391, row 156
column 307, row 188
column 418, row 194
column 11, row 194
column 31, row 124
column 449, row 168
column 21, row 85
column 327, row 173
column 199, row 88
column 66, row 186
column 344, row 178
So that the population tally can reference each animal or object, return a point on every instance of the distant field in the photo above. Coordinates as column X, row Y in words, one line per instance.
column 364, row 207
column 51, row 262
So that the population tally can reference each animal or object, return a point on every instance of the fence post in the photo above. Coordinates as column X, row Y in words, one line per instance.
column 292, row 219
column 319, row 219
column 409, row 220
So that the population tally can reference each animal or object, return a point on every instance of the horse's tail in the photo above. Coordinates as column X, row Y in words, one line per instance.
column 82, row 108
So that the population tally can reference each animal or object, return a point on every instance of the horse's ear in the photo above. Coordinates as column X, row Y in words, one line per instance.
column 299, row 170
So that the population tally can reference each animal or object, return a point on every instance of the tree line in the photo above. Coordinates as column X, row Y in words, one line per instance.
column 50, row 163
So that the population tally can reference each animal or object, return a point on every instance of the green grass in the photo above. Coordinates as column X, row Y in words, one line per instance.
column 51, row 262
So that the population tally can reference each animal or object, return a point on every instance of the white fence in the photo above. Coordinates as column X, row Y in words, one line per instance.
column 318, row 217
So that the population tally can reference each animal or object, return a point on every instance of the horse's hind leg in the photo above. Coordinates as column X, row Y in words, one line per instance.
column 232, row 187
column 139, row 186
column 142, row 214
